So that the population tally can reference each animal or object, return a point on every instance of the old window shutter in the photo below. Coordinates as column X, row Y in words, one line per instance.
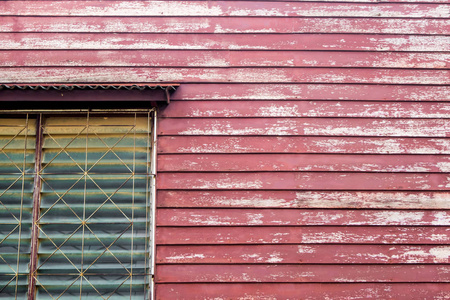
column 90, row 173
column 17, row 142
column 94, row 206
column 94, row 209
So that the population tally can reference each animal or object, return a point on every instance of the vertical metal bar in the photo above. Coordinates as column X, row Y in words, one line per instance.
column 153, row 206
column 83, row 223
column 36, row 209
column 132, row 204
column 148, row 284
column 24, row 163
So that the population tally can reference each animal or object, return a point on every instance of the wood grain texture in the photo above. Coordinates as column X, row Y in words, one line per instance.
column 170, row 41
column 304, row 273
column 207, row 59
column 303, row 162
column 305, row 199
column 228, row 9
column 228, row 25
column 338, row 291
column 307, row 127
column 281, row 109
column 204, row 91
column 305, row 181
column 277, row 235
column 303, row 254
column 296, row 144
column 299, row 217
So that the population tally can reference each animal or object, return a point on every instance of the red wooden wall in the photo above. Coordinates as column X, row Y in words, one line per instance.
column 306, row 154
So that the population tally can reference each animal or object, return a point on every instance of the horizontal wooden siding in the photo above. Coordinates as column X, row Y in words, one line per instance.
column 305, row 154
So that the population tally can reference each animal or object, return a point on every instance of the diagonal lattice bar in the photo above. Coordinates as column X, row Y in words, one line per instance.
column 9, row 142
column 64, row 149
column 110, row 149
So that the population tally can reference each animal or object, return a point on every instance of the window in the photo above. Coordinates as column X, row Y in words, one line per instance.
column 76, row 205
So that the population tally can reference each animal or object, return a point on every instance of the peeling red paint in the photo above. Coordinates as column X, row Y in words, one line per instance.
column 305, row 154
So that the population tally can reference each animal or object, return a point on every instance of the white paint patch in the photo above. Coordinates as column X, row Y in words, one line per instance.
column 275, row 257
column 439, row 237
column 305, row 249
column 209, row 220
column 185, row 257
column 441, row 254
column 278, row 237
column 212, row 113
column 251, row 257
column 441, row 218
column 254, row 219
column 396, row 217
column 412, row 256
column 278, row 111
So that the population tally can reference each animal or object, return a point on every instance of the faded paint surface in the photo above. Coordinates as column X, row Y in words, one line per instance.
column 306, row 153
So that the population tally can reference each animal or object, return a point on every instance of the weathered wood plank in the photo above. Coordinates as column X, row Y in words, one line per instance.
column 225, row 75
column 302, row 162
column 307, row 126
column 277, row 109
column 225, row 8
column 331, row 42
column 304, row 199
column 299, row 217
column 396, row 93
column 303, row 254
column 305, row 181
column 285, row 291
column 225, row 25
column 305, row 273
column 199, row 58
column 267, row 144
column 249, row 235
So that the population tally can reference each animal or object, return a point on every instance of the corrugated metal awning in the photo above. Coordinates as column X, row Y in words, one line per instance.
column 87, row 92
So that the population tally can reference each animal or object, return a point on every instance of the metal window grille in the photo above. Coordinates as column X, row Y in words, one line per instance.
column 76, row 205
